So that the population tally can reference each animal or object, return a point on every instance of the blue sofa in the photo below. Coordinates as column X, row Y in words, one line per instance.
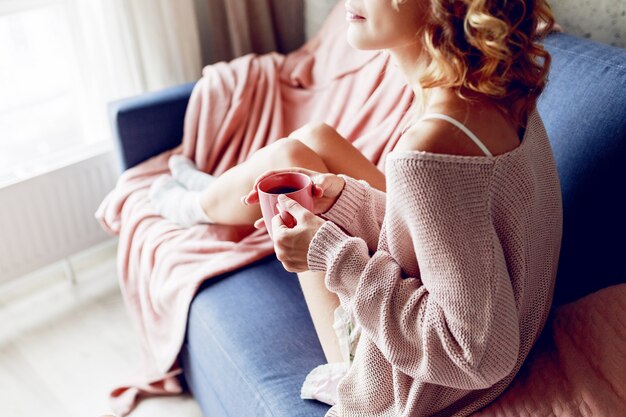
column 250, row 340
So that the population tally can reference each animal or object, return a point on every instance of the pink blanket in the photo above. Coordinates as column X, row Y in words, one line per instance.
column 234, row 110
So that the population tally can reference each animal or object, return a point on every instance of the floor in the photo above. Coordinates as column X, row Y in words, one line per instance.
column 64, row 343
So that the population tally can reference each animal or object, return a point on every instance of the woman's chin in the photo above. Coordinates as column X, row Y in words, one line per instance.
column 358, row 41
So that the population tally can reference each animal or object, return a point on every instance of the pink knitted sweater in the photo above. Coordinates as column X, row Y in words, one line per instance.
column 449, row 274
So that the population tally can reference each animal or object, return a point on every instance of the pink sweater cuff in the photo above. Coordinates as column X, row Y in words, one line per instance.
column 350, row 201
column 325, row 245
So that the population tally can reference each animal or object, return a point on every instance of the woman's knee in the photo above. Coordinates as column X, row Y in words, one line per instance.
column 316, row 136
column 309, row 129
column 293, row 152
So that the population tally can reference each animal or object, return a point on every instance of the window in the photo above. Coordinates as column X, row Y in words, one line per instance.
column 43, row 108
column 62, row 61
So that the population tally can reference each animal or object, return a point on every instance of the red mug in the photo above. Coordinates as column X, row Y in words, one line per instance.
column 295, row 185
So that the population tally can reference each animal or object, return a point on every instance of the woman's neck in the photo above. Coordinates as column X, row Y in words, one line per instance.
column 412, row 61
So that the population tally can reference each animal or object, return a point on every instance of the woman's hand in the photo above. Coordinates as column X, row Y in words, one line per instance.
column 292, row 244
column 326, row 189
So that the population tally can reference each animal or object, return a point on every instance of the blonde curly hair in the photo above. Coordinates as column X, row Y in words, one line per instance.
column 489, row 47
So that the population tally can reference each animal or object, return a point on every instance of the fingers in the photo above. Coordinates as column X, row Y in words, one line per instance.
column 277, row 224
column 322, row 182
column 286, row 217
column 318, row 192
column 251, row 198
column 292, row 207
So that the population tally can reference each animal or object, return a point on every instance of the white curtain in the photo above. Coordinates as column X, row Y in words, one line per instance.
column 127, row 47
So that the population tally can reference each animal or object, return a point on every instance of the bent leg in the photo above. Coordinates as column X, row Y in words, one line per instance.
column 319, row 148
column 339, row 155
column 222, row 199
column 322, row 304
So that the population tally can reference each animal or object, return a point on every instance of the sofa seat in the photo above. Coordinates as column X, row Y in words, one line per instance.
column 250, row 343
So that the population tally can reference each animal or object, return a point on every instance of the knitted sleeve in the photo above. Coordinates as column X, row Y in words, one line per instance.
column 438, row 342
column 454, row 322
column 359, row 210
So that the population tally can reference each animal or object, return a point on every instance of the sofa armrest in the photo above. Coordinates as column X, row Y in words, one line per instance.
column 148, row 124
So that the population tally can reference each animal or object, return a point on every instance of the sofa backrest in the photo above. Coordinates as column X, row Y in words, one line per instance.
column 584, row 110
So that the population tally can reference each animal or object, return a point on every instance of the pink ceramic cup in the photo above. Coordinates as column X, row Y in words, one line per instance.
column 294, row 185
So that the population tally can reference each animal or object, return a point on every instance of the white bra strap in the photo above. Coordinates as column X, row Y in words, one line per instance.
column 460, row 126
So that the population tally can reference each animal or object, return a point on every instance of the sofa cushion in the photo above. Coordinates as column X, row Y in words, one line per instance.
column 250, row 343
column 584, row 111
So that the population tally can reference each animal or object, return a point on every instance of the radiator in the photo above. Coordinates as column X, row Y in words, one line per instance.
column 50, row 217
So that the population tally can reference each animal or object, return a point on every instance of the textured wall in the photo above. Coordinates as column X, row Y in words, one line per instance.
column 601, row 20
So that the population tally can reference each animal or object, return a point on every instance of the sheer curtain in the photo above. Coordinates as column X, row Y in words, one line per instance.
column 127, row 47
column 62, row 61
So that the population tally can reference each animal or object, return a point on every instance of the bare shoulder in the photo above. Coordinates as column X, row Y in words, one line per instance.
column 437, row 136
column 443, row 137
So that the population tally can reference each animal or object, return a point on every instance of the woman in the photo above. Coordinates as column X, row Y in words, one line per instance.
column 440, row 272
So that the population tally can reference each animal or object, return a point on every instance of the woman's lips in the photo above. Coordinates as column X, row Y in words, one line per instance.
column 350, row 16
